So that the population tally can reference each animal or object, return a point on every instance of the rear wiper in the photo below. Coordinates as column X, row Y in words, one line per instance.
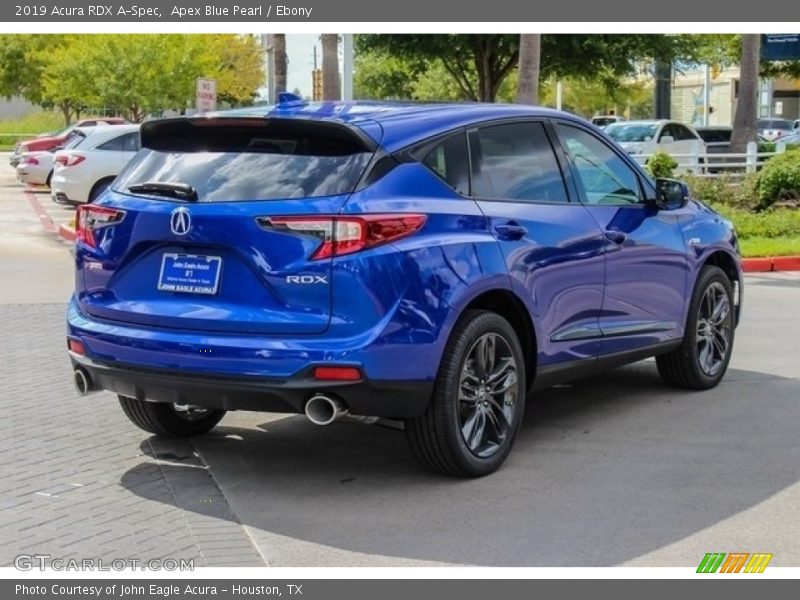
column 183, row 191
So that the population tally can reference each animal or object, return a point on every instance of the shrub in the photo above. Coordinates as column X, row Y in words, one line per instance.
column 739, row 192
column 780, row 178
column 770, row 223
column 661, row 164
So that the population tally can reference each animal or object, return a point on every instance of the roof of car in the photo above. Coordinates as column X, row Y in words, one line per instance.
column 397, row 124
column 100, row 133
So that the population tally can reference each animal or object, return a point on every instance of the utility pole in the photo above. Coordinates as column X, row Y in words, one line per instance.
column 271, row 99
column 663, row 91
column 706, row 95
column 347, row 66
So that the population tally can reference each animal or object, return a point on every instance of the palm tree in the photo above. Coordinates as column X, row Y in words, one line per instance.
column 530, row 51
column 281, row 62
column 331, row 87
column 744, row 121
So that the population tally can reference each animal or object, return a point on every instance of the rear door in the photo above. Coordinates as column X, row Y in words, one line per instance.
column 552, row 247
column 226, row 226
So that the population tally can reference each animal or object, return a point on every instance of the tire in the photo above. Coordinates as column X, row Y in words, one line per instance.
column 98, row 188
column 164, row 419
column 461, row 402
column 49, row 178
column 690, row 366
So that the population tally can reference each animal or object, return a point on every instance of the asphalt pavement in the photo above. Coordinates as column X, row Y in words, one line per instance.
column 615, row 470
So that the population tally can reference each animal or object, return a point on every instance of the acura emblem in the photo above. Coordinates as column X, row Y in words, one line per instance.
column 180, row 221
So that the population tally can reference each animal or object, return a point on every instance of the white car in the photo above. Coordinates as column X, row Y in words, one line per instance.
column 35, row 168
column 642, row 139
column 88, row 166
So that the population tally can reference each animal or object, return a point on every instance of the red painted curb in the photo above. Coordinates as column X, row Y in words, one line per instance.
column 66, row 233
column 786, row 263
column 756, row 265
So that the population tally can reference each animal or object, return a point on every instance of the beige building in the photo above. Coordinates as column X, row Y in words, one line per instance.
column 780, row 98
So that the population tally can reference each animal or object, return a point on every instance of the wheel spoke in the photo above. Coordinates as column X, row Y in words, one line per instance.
column 706, row 356
column 477, row 428
column 721, row 310
column 501, row 370
column 720, row 342
column 501, row 387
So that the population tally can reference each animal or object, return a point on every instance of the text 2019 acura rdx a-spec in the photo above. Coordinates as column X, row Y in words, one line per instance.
column 429, row 263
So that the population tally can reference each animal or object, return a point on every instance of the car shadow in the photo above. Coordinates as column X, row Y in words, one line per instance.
column 604, row 470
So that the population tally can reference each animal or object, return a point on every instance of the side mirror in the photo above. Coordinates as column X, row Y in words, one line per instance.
column 666, row 139
column 670, row 194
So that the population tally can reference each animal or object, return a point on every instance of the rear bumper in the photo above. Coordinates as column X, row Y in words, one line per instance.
column 390, row 399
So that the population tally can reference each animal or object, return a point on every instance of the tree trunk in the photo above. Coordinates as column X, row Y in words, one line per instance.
column 744, row 121
column 281, row 62
column 331, row 88
column 66, row 110
column 530, row 52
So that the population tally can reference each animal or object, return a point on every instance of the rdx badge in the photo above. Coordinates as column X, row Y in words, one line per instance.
column 306, row 279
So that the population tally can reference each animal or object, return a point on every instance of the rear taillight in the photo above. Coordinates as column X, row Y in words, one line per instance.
column 341, row 235
column 30, row 160
column 69, row 160
column 90, row 218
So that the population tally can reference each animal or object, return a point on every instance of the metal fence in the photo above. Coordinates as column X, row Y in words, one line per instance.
column 726, row 164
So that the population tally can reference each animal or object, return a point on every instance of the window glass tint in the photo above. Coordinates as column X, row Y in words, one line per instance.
column 605, row 177
column 715, row 135
column 74, row 140
column 681, row 133
column 117, row 143
column 515, row 162
column 450, row 161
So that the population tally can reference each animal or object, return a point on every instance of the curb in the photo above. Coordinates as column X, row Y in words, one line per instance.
column 66, row 232
column 771, row 264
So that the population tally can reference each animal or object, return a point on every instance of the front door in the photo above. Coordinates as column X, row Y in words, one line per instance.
column 647, row 263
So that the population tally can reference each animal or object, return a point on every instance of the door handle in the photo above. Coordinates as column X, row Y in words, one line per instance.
column 616, row 237
column 510, row 231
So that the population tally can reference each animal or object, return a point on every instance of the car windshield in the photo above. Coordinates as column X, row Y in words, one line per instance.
column 632, row 132
column 775, row 124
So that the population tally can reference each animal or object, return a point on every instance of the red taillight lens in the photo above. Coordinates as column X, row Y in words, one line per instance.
column 69, row 160
column 341, row 235
column 337, row 373
column 90, row 218
column 31, row 161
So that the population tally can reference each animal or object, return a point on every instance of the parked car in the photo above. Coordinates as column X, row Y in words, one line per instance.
column 430, row 263
column 603, row 121
column 796, row 125
column 91, row 162
column 35, row 168
column 791, row 140
column 645, row 138
column 51, row 142
column 774, row 129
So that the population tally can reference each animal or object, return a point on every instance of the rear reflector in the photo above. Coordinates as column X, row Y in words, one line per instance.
column 341, row 235
column 337, row 373
column 76, row 347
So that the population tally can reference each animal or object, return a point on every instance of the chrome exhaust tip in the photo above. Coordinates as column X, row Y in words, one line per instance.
column 82, row 381
column 324, row 410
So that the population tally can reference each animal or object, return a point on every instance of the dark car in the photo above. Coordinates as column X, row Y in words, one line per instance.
column 427, row 263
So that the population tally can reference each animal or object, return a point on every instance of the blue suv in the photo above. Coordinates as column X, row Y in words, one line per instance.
column 425, row 263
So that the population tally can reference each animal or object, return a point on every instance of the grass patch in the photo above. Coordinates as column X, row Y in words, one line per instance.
column 33, row 123
column 760, row 247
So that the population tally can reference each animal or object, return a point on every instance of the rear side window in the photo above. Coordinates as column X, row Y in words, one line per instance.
column 515, row 162
column 75, row 140
column 124, row 143
column 239, row 159
column 714, row 136
column 449, row 159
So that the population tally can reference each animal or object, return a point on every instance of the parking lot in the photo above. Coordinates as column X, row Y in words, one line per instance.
column 614, row 470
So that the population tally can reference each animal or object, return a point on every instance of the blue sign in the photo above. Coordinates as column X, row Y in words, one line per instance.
column 784, row 46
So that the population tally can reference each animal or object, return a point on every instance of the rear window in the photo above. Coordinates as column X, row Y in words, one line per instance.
column 774, row 124
column 249, row 159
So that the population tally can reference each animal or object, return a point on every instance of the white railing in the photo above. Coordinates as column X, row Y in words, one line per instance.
column 710, row 164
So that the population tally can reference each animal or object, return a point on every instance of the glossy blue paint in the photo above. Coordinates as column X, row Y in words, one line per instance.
column 594, row 279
